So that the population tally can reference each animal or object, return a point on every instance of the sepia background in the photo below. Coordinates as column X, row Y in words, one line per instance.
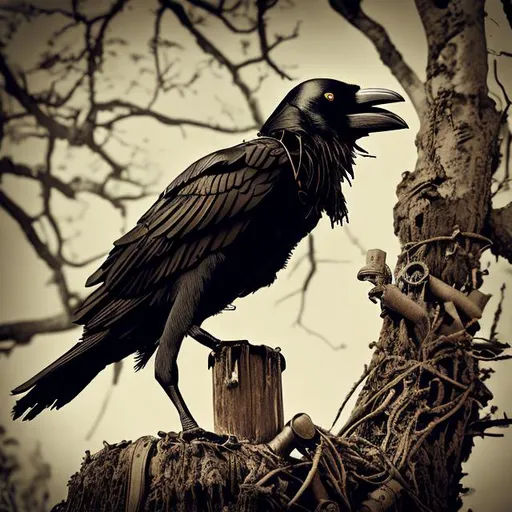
column 326, row 355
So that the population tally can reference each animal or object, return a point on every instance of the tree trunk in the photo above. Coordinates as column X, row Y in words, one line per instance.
column 423, row 395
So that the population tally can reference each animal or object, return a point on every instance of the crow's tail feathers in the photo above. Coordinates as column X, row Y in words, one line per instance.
column 61, row 381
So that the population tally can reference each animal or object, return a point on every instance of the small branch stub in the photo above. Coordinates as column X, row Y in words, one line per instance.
column 247, row 391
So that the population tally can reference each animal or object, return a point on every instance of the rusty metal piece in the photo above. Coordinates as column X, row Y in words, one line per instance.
column 300, row 430
column 376, row 271
column 319, row 489
column 479, row 298
column 455, row 325
column 283, row 443
column 462, row 302
column 324, row 503
column 303, row 427
column 391, row 297
column 327, row 506
column 414, row 273
column 383, row 498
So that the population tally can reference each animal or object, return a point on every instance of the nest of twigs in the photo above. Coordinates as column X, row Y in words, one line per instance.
column 416, row 410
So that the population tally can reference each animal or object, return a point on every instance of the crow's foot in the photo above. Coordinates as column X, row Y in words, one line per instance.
column 230, row 343
column 217, row 349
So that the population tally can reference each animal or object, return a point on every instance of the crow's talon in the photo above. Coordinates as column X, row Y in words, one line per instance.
column 234, row 342
column 215, row 353
column 229, row 343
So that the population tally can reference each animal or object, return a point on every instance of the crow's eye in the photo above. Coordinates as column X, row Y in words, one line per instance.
column 329, row 96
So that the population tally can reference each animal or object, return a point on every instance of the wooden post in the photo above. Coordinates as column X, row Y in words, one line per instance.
column 247, row 391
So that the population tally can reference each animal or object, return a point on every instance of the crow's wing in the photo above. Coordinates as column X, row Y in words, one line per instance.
column 201, row 212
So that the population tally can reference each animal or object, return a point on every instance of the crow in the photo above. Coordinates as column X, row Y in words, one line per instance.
column 220, row 231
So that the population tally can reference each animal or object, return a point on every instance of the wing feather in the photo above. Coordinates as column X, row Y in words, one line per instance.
column 186, row 207
column 202, row 211
column 166, row 214
column 199, row 210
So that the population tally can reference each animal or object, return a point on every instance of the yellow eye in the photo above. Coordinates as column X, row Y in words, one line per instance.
column 329, row 96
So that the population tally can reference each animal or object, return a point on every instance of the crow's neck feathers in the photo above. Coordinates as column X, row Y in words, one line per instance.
column 320, row 164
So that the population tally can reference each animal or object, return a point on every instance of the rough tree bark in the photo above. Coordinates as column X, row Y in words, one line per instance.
column 414, row 420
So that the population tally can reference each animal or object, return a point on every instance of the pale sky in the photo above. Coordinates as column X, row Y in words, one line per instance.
column 316, row 378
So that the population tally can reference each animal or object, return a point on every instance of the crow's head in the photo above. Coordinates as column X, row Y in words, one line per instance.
column 329, row 107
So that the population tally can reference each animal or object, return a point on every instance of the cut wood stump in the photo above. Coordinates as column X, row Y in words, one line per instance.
column 247, row 391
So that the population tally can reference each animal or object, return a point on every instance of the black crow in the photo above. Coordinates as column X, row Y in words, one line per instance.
column 221, row 230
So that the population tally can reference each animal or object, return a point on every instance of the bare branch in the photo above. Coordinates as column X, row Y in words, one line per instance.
column 211, row 49
column 262, row 32
column 497, row 314
column 502, row 87
column 313, row 266
column 7, row 166
column 25, row 222
column 75, row 186
column 21, row 333
column 154, row 49
column 31, row 11
column 349, row 395
column 355, row 241
column 17, row 91
column 208, row 46
column 388, row 52
column 136, row 111
column 76, row 136
column 479, row 428
column 220, row 13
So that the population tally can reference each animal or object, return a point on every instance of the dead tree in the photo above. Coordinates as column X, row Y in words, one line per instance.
column 420, row 406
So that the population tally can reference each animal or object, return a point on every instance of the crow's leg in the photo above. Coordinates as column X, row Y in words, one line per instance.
column 204, row 337
column 166, row 371
column 189, row 292
column 210, row 341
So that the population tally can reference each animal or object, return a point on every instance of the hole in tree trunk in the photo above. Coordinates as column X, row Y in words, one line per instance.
column 419, row 221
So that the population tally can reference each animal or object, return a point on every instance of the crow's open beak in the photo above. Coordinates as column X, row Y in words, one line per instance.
column 367, row 119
